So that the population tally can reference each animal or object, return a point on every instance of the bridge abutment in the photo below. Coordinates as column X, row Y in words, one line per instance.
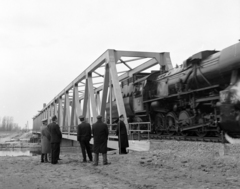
column 69, row 143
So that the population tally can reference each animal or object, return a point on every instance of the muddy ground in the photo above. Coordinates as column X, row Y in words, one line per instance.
column 168, row 164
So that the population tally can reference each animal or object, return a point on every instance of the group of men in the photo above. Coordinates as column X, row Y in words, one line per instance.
column 100, row 134
column 51, row 137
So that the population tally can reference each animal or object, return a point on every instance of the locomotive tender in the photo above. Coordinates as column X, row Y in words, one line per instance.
column 186, row 99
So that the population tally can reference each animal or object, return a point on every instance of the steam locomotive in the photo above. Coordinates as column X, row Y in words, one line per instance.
column 200, row 96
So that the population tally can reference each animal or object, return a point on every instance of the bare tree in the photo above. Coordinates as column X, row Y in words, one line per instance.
column 8, row 124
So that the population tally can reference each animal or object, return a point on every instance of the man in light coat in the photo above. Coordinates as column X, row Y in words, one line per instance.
column 45, row 142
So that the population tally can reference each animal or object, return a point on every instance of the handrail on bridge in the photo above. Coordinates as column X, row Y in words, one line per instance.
column 139, row 127
column 136, row 127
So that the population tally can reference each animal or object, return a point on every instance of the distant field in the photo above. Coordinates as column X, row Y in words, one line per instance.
column 5, row 133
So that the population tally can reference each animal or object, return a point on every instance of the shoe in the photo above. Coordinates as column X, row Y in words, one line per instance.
column 95, row 164
column 108, row 163
column 84, row 161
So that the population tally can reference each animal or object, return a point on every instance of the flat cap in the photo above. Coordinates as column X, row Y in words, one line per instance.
column 54, row 118
column 81, row 117
column 99, row 117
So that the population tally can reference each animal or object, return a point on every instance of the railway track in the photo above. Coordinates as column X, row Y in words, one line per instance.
column 145, row 136
column 179, row 138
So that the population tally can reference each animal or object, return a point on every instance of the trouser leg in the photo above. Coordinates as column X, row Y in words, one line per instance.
column 58, row 150
column 54, row 153
column 50, row 156
column 42, row 157
column 96, row 155
column 104, row 158
column 88, row 148
column 119, row 144
column 83, row 148
column 46, row 158
column 123, row 150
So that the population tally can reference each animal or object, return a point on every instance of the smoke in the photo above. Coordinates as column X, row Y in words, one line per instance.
column 235, row 90
column 232, row 140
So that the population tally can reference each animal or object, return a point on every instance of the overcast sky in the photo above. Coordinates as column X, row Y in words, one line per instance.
column 45, row 44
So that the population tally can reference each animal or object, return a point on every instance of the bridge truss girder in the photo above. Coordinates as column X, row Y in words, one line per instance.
column 93, row 98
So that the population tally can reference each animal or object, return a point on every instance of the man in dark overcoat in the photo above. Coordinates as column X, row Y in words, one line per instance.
column 121, row 132
column 56, row 137
column 84, row 134
column 100, row 136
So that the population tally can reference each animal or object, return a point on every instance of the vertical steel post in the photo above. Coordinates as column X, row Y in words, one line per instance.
column 91, row 99
column 110, row 100
column 116, row 87
column 60, row 113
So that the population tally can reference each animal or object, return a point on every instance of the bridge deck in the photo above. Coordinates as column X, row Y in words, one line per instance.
column 112, row 140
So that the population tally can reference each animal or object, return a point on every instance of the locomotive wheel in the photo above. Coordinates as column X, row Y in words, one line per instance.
column 184, row 122
column 201, row 131
column 171, row 123
column 159, row 123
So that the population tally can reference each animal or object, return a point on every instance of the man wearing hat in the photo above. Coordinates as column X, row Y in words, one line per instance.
column 100, row 136
column 84, row 135
column 121, row 132
column 56, row 137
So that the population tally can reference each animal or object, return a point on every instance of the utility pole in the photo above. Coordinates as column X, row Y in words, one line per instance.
column 27, row 127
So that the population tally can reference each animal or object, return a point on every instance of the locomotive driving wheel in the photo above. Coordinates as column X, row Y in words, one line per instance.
column 201, row 131
column 171, row 123
column 159, row 123
column 185, row 121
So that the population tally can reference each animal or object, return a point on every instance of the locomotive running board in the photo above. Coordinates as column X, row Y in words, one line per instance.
column 188, row 92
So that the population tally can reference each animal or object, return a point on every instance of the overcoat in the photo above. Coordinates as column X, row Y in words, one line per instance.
column 45, row 140
column 121, row 132
column 56, row 134
column 100, row 136
column 84, row 132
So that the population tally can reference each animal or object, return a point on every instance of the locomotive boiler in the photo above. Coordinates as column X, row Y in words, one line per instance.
column 185, row 99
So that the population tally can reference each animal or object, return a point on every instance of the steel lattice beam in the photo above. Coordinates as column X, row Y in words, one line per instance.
column 92, row 103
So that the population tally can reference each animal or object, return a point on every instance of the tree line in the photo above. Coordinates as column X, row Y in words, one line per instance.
column 7, row 124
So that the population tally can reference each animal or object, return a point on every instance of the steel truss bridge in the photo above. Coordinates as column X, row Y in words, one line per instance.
column 96, row 86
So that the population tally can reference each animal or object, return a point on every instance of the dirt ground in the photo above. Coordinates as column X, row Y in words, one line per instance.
column 168, row 164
